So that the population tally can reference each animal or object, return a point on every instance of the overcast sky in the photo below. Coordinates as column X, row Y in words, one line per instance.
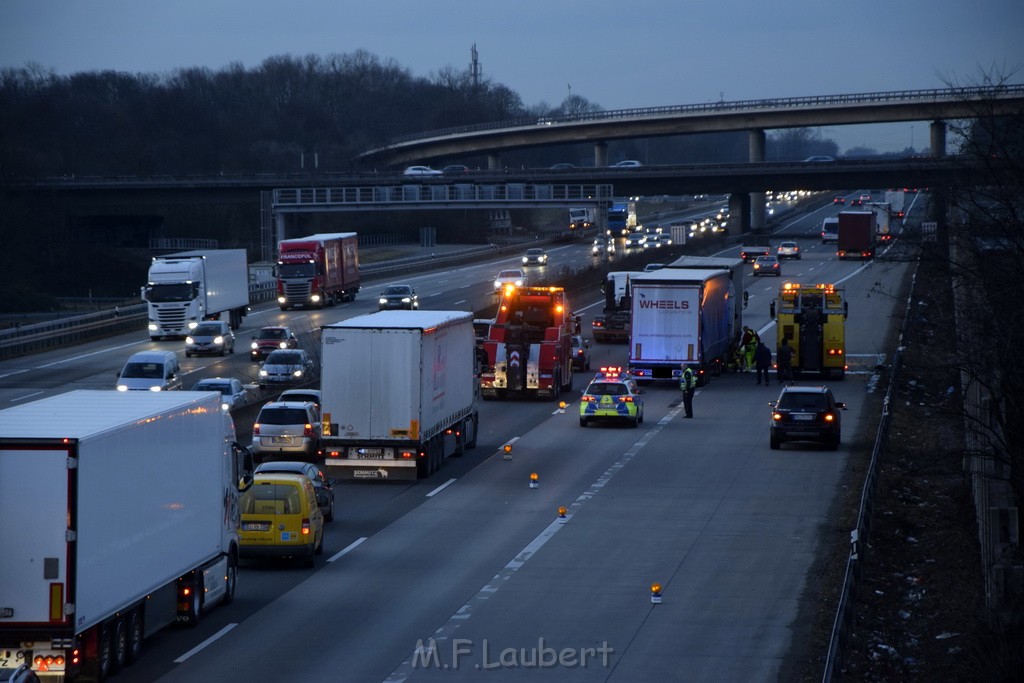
column 616, row 54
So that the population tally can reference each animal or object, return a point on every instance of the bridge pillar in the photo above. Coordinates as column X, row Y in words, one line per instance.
column 739, row 213
column 278, row 231
column 938, row 138
column 493, row 162
column 753, row 215
column 600, row 154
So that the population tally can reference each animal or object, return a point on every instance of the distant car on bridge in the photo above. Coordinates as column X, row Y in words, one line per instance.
column 421, row 170
column 627, row 163
column 819, row 159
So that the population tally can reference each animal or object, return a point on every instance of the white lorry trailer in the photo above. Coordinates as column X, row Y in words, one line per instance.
column 681, row 316
column 896, row 199
column 399, row 393
column 118, row 516
column 582, row 218
column 188, row 287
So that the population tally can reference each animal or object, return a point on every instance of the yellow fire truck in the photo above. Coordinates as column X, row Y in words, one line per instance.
column 813, row 318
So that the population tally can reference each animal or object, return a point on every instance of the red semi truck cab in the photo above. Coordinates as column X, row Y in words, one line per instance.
column 318, row 270
column 529, row 346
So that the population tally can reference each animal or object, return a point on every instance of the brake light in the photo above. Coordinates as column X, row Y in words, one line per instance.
column 587, row 398
column 305, row 527
column 307, row 430
column 256, row 429
column 776, row 416
column 829, row 417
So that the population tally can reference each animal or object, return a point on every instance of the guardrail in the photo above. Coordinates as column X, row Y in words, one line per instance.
column 933, row 95
column 860, row 536
column 36, row 337
column 22, row 339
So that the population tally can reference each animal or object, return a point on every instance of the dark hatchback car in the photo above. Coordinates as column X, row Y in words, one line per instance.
column 806, row 414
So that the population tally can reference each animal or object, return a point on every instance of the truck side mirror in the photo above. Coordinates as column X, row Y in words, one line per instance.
column 771, row 310
column 846, row 309
column 746, row 298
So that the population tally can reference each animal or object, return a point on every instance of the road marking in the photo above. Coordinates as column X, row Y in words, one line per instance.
column 22, row 398
column 205, row 643
column 440, row 488
column 447, row 630
column 459, row 302
column 347, row 549
column 86, row 355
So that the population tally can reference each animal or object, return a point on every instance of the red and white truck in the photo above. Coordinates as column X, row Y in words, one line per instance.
column 529, row 347
column 857, row 234
column 317, row 270
column 119, row 516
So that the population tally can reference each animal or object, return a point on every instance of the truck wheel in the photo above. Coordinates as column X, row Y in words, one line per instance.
column 475, row 421
column 133, row 625
column 195, row 608
column 118, row 644
column 567, row 387
column 230, row 580
column 104, row 653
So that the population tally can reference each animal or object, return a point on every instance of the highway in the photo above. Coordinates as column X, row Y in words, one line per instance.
column 475, row 562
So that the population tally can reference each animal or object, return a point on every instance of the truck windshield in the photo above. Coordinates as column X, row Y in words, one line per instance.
column 289, row 270
column 176, row 291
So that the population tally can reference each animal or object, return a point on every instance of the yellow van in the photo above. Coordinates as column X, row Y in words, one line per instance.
column 281, row 518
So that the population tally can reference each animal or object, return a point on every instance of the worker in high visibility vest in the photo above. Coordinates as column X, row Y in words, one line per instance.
column 688, row 383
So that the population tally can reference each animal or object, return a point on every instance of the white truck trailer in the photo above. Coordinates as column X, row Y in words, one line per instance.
column 681, row 316
column 188, row 287
column 118, row 516
column 399, row 392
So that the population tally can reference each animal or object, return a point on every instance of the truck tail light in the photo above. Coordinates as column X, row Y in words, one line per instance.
column 305, row 527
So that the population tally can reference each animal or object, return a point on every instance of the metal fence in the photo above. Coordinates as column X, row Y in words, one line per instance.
column 52, row 334
column 860, row 536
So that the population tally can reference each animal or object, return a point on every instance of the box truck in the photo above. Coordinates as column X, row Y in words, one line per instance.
column 399, row 393
column 681, row 317
column 188, row 287
column 118, row 516
column 317, row 270
column 856, row 234
column 582, row 218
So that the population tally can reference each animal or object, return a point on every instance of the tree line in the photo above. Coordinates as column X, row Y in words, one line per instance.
column 273, row 117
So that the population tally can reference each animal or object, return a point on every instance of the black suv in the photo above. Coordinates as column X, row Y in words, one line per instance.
column 806, row 414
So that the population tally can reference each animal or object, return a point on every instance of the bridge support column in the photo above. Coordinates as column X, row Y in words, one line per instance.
column 938, row 138
column 278, row 231
column 739, row 213
column 754, row 213
column 493, row 162
column 600, row 154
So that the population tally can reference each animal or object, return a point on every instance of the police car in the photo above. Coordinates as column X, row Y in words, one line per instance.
column 612, row 395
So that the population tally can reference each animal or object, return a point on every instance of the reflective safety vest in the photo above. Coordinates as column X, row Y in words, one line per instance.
column 689, row 380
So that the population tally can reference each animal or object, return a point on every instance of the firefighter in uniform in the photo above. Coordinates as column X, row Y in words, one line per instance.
column 688, row 383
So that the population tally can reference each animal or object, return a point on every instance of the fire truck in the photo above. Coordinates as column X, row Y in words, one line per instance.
column 529, row 345
column 813, row 318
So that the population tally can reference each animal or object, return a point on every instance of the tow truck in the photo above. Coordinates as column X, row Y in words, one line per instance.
column 528, row 350
column 813, row 318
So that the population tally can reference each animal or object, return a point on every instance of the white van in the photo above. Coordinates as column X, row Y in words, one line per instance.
column 150, row 371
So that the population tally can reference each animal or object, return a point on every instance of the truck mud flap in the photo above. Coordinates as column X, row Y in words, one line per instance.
column 373, row 472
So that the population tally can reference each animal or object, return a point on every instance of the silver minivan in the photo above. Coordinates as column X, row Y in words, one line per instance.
column 150, row 371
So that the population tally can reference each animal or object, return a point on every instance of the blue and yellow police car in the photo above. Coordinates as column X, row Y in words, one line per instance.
column 612, row 395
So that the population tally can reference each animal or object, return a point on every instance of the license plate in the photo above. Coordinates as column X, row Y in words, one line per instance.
column 372, row 456
column 370, row 453
column 281, row 439
column 256, row 526
column 803, row 417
